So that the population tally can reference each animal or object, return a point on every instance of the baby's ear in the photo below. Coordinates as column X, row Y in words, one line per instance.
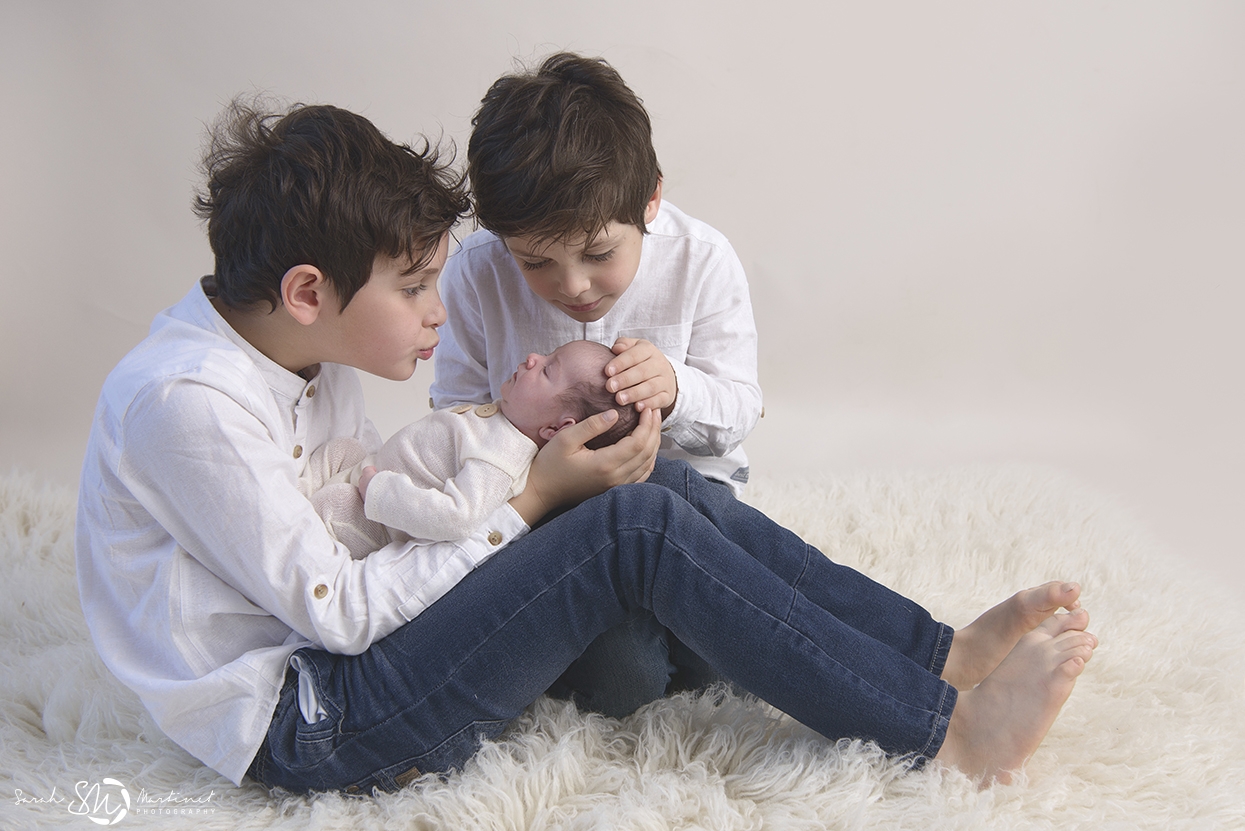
column 548, row 431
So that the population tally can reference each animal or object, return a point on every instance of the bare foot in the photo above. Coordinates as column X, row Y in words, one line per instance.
column 999, row 724
column 979, row 647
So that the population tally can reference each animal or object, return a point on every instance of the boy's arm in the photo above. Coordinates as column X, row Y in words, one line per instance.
column 215, row 480
column 565, row 473
column 718, row 398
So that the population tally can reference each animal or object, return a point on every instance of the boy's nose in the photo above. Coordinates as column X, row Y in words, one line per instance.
column 574, row 284
column 439, row 315
column 436, row 313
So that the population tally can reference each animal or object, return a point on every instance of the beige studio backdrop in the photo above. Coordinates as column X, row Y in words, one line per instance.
column 974, row 232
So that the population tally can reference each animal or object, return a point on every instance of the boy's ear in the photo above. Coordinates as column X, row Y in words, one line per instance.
column 654, row 202
column 305, row 292
column 548, row 431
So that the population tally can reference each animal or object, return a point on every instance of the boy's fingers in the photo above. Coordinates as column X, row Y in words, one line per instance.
column 648, row 432
column 624, row 361
column 588, row 429
column 623, row 344
column 648, row 371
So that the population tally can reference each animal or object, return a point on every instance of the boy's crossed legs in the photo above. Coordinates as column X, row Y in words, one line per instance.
column 1029, row 654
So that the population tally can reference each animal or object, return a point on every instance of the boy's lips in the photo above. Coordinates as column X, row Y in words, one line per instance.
column 586, row 307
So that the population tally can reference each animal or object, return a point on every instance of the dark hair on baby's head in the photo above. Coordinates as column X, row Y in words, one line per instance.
column 321, row 186
column 588, row 396
column 561, row 151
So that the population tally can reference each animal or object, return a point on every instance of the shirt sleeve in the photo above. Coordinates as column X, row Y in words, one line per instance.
column 208, row 471
column 719, row 397
column 458, row 508
column 461, row 366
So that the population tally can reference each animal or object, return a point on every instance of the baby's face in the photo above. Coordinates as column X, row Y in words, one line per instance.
column 529, row 398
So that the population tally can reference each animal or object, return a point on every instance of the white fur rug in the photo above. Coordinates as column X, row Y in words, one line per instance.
column 1153, row 737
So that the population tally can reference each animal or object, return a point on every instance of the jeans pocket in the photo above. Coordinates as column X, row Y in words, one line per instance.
column 312, row 742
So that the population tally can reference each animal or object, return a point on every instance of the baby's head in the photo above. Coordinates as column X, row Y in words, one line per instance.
column 549, row 392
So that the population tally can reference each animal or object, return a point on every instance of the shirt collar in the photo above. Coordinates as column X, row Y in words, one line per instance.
column 279, row 379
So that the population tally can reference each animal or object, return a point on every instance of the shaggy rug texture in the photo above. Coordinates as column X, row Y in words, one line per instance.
column 1153, row 736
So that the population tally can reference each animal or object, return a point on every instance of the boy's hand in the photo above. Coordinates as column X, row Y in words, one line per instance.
column 364, row 478
column 641, row 375
column 565, row 472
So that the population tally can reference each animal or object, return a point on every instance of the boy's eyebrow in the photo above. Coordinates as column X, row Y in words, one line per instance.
column 427, row 270
column 522, row 251
column 604, row 238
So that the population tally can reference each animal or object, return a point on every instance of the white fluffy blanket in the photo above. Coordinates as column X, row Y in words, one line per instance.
column 1153, row 737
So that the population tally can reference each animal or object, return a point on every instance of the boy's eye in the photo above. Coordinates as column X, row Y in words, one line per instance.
column 528, row 265
column 413, row 291
column 600, row 258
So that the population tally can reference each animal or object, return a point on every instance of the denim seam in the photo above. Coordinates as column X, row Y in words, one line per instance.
column 941, row 723
column 795, row 585
column 937, row 658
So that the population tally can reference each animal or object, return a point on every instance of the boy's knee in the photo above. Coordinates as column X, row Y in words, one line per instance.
column 644, row 497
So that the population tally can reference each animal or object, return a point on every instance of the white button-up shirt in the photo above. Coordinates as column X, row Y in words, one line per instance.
column 201, row 567
column 689, row 298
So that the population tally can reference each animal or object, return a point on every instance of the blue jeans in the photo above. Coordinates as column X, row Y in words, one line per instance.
column 639, row 660
column 840, row 653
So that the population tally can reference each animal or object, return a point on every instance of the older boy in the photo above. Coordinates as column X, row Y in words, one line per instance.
column 201, row 566
column 579, row 244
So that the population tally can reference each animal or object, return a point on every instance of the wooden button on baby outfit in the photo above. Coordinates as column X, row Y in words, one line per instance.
column 461, row 408
column 494, row 538
column 311, row 391
column 486, row 410
column 298, row 450
column 321, row 591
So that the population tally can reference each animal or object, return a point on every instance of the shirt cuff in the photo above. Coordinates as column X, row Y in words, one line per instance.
column 685, row 384
column 502, row 527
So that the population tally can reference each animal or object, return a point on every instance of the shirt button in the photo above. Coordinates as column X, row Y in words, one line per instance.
column 486, row 410
column 430, row 403
column 494, row 538
column 460, row 409
column 298, row 451
column 311, row 391
column 321, row 591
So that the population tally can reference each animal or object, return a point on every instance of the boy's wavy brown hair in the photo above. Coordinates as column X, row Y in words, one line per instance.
column 561, row 152
column 321, row 186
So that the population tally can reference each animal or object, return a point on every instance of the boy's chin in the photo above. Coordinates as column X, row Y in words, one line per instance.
column 394, row 373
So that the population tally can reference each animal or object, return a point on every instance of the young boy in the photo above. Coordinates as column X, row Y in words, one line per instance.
column 439, row 478
column 202, row 567
column 578, row 243
column 213, row 590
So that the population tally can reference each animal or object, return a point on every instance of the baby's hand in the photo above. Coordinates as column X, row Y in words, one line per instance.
column 364, row 478
column 641, row 375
